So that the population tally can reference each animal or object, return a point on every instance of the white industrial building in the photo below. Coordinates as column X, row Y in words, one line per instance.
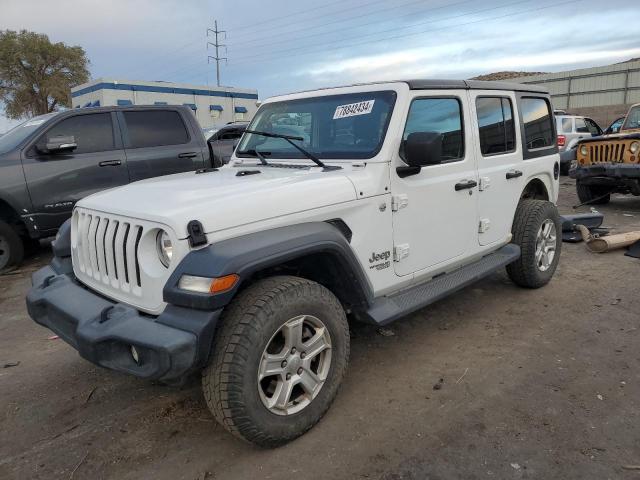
column 211, row 105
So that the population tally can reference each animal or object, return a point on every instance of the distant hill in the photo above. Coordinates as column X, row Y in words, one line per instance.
column 505, row 75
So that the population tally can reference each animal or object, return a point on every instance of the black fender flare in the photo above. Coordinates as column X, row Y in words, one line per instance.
column 251, row 253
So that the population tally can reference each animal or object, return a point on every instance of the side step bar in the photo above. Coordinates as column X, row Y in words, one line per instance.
column 389, row 308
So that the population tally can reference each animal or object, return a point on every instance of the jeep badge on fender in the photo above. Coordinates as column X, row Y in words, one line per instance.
column 291, row 237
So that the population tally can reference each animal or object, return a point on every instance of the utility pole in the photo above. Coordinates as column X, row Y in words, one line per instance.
column 217, row 45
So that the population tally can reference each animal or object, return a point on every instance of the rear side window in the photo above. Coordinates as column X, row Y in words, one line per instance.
column 537, row 123
column 439, row 115
column 495, row 121
column 581, row 126
column 93, row 133
column 155, row 128
column 567, row 125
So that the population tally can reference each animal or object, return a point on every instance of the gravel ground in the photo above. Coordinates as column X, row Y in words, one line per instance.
column 535, row 384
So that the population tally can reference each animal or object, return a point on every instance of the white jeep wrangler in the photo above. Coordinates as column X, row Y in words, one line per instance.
column 368, row 201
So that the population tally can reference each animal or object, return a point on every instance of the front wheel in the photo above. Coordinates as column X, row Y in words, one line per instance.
column 593, row 194
column 277, row 360
column 11, row 247
column 537, row 230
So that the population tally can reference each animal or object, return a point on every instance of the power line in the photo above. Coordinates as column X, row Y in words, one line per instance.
column 366, row 23
column 341, row 45
column 217, row 45
column 395, row 29
column 281, row 17
column 350, row 18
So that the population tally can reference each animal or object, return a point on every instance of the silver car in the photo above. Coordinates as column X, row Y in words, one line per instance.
column 572, row 129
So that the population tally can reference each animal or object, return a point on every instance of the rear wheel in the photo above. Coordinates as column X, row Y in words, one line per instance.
column 11, row 248
column 593, row 194
column 537, row 231
column 277, row 360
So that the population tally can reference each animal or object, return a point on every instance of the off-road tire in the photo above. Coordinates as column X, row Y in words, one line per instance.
column 529, row 217
column 229, row 381
column 564, row 169
column 11, row 245
column 593, row 194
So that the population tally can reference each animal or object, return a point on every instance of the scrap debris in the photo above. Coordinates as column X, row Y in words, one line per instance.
column 598, row 244
column 592, row 221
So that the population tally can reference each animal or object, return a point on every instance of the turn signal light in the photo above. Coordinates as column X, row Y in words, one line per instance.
column 193, row 283
column 223, row 284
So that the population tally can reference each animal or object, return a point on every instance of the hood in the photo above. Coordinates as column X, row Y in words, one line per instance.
column 223, row 199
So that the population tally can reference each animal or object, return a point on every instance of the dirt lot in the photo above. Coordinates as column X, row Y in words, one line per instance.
column 536, row 384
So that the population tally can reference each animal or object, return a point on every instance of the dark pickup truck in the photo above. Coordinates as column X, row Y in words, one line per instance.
column 50, row 162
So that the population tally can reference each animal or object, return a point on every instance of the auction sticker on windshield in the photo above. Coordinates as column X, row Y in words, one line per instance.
column 353, row 109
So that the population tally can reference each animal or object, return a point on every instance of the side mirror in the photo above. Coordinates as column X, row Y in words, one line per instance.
column 421, row 149
column 61, row 144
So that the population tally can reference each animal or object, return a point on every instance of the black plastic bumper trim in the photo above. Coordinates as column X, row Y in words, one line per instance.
column 169, row 346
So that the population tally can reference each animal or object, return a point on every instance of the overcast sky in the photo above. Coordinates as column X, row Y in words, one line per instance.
column 278, row 46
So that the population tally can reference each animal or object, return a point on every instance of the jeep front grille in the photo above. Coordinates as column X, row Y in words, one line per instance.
column 107, row 250
column 609, row 152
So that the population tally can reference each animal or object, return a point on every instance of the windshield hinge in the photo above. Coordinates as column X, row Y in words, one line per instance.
column 196, row 233
column 399, row 202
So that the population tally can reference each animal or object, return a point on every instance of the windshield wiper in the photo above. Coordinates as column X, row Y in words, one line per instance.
column 290, row 138
column 258, row 154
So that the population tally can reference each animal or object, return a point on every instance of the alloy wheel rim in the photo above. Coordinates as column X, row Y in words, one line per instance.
column 546, row 245
column 4, row 252
column 294, row 365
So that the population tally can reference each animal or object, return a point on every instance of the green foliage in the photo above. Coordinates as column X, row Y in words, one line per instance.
column 36, row 75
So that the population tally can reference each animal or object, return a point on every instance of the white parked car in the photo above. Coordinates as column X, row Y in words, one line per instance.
column 390, row 197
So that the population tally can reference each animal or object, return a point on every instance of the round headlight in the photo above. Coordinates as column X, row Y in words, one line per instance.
column 584, row 150
column 634, row 147
column 165, row 247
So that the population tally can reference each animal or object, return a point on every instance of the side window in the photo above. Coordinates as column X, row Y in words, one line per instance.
column 581, row 126
column 567, row 125
column 593, row 127
column 93, row 133
column 537, row 123
column 495, row 121
column 154, row 128
column 438, row 115
column 230, row 135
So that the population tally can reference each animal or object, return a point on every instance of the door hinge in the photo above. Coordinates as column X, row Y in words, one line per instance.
column 400, row 252
column 485, row 182
column 485, row 223
column 399, row 201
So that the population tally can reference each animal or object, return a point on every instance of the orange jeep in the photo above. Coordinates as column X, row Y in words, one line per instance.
column 610, row 163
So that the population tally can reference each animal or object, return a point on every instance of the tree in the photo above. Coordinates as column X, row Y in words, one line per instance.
column 36, row 75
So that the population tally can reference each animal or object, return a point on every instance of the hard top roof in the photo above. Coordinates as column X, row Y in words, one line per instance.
column 426, row 84
column 436, row 84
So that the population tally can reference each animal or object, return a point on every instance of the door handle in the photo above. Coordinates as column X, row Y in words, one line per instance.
column 188, row 155
column 110, row 163
column 513, row 174
column 466, row 184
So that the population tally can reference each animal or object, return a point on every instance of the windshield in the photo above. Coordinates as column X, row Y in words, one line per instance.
column 633, row 119
column 350, row 126
column 13, row 137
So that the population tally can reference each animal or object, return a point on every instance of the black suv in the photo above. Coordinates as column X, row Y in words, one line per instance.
column 50, row 162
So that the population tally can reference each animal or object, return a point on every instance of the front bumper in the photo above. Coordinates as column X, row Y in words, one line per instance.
column 610, row 170
column 169, row 346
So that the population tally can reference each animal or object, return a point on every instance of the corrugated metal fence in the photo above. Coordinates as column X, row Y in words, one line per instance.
column 617, row 84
